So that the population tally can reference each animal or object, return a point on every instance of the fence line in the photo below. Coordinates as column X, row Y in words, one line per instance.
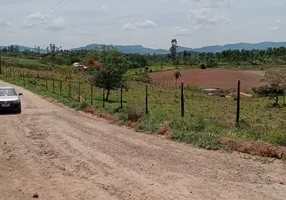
column 67, row 89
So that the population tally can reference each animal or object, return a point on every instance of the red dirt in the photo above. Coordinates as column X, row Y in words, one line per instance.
column 212, row 78
column 100, row 114
column 255, row 148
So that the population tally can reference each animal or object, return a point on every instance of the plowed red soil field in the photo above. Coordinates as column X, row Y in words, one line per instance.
column 212, row 78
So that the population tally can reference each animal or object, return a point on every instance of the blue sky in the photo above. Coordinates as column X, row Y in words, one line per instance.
column 151, row 23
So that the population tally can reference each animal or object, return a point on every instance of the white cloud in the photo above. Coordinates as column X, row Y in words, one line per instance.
column 5, row 23
column 80, row 31
column 146, row 24
column 56, row 25
column 139, row 24
column 205, row 16
column 182, row 32
column 129, row 27
column 33, row 19
column 273, row 28
column 278, row 21
column 103, row 7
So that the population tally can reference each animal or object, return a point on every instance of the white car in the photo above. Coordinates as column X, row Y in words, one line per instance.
column 10, row 100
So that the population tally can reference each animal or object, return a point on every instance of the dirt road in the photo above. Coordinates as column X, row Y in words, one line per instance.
column 60, row 154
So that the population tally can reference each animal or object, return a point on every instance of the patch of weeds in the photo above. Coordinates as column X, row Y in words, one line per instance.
column 82, row 106
column 134, row 113
column 202, row 139
column 278, row 138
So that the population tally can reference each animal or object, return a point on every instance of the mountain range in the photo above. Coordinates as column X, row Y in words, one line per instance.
column 212, row 49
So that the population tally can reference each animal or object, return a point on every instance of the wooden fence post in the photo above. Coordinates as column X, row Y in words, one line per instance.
column 79, row 92
column 91, row 94
column 238, row 102
column 182, row 101
column 61, row 87
column 147, row 111
column 46, row 84
column 103, row 96
column 121, row 96
column 24, row 79
column 69, row 89
column 53, row 85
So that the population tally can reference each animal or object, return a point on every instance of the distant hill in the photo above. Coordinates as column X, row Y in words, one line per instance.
column 240, row 46
column 127, row 49
column 212, row 49
column 24, row 48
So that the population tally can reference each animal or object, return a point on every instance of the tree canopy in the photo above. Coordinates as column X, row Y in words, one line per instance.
column 111, row 75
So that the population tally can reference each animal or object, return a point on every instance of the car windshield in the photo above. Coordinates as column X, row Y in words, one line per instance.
column 7, row 92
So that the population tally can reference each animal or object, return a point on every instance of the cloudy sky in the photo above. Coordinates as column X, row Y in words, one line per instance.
column 151, row 23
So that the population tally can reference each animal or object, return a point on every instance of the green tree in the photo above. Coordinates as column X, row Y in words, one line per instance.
column 277, row 81
column 173, row 51
column 111, row 75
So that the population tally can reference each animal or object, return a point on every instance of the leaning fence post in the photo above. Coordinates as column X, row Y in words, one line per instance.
column 147, row 111
column 238, row 102
column 182, row 101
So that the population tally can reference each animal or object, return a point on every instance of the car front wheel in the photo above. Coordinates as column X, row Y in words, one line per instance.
column 19, row 110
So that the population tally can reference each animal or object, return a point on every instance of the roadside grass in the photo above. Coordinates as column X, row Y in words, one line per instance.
column 206, row 120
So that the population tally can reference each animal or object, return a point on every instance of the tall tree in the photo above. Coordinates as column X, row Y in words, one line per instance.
column 111, row 75
column 173, row 51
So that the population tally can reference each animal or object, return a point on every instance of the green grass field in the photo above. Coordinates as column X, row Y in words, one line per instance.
column 206, row 118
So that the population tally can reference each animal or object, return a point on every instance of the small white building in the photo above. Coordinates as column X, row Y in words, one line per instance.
column 213, row 92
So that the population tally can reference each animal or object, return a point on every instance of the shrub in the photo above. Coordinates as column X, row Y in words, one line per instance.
column 202, row 66
column 134, row 113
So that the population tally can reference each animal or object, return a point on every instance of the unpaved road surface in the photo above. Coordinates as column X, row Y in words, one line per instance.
column 60, row 154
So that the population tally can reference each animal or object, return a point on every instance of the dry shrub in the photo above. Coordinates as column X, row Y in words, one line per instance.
column 165, row 130
column 79, row 98
column 134, row 113
column 98, row 113
column 258, row 148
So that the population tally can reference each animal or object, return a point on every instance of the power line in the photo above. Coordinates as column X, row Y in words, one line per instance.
column 28, row 10
column 47, row 14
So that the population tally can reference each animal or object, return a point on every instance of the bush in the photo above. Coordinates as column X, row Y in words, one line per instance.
column 134, row 113
column 267, row 91
column 202, row 66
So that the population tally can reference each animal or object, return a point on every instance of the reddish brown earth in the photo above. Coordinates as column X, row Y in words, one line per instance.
column 212, row 78
column 52, row 152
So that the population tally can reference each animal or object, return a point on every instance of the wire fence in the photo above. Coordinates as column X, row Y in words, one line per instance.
column 143, row 95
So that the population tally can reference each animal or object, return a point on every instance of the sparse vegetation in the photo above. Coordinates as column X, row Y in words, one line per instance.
column 206, row 120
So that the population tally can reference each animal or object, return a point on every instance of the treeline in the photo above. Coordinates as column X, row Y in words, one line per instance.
column 274, row 56
column 228, row 57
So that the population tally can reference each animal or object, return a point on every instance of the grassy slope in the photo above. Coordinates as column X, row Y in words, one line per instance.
column 206, row 119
